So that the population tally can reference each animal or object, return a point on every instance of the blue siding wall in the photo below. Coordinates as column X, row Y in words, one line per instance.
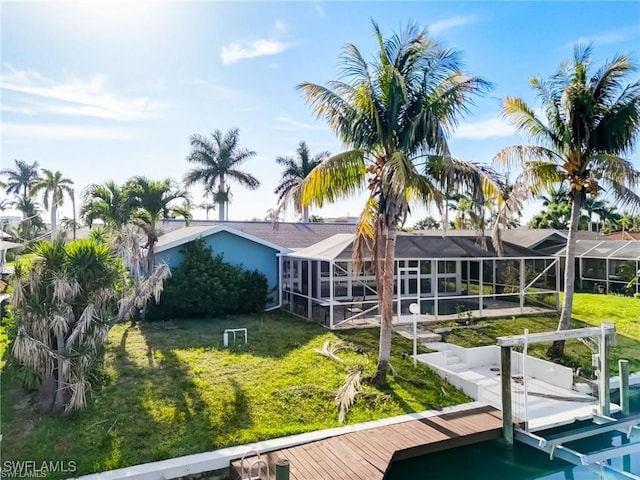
column 237, row 251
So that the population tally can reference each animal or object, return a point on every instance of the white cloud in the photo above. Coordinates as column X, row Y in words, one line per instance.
column 236, row 51
column 618, row 35
column 86, row 98
column 15, row 131
column 274, row 65
column 491, row 128
column 319, row 9
column 448, row 23
column 289, row 123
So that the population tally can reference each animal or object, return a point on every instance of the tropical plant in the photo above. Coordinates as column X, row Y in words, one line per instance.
column 65, row 303
column 590, row 121
column 218, row 159
column 107, row 202
column 31, row 226
column 151, row 202
column 394, row 114
column 466, row 217
column 207, row 207
column 54, row 186
column 205, row 285
column 21, row 178
column 427, row 223
column 293, row 176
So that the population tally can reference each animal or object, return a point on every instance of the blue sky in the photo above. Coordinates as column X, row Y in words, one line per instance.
column 110, row 90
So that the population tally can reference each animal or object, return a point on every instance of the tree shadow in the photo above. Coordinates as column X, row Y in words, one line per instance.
column 270, row 334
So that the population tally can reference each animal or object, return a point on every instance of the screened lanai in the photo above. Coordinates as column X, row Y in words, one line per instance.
column 606, row 266
column 451, row 278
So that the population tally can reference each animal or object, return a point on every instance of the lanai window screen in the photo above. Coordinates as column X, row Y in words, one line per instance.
column 607, row 266
column 320, row 282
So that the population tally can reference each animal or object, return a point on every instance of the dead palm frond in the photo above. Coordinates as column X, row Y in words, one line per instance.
column 329, row 350
column 346, row 394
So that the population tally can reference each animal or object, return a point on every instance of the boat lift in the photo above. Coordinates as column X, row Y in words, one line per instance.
column 554, row 445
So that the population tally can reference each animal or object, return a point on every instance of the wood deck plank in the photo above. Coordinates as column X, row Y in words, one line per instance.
column 367, row 454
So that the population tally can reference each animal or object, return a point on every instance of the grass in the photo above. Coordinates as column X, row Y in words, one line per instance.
column 170, row 389
column 588, row 310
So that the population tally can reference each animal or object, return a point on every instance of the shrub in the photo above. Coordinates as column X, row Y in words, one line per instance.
column 204, row 285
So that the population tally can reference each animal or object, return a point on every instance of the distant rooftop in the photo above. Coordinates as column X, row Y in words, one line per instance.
column 286, row 234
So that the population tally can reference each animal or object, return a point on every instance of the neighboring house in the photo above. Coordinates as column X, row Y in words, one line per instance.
column 236, row 247
column 606, row 266
column 624, row 236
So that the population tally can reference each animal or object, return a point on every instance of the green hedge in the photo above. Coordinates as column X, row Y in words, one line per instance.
column 205, row 285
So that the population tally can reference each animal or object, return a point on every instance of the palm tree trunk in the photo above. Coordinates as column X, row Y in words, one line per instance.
column 386, row 307
column 557, row 348
column 73, row 205
column 305, row 214
column 221, row 200
column 60, row 396
column 54, row 218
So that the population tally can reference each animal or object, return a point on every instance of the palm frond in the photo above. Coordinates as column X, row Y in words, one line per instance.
column 347, row 393
column 337, row 177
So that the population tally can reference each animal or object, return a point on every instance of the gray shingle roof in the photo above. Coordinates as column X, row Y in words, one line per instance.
column 285, row 234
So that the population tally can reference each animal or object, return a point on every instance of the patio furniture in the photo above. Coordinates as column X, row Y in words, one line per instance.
column 234, row 331
column 355, row 307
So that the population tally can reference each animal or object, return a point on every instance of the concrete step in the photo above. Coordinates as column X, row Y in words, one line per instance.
column 457, row 367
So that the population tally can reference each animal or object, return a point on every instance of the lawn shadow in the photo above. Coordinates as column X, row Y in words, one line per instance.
column 170, row 410
column 269, row 334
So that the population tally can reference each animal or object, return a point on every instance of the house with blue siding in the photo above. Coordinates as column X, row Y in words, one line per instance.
column 237, row 247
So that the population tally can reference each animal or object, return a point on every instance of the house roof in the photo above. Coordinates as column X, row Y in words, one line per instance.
column 612, row 249
column 624, row 236
column 416, row 245
column 184, row 235
column 4, row 245
column 287, row 235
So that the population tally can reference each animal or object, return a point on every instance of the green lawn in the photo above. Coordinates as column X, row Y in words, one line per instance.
column 170, row 389
column 588, row 310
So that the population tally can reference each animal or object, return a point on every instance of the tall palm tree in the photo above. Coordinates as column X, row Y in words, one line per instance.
column 218, row 159
column 21, row 178
column 54, row 186
column 152, row 201
column 107, row 202
column 394, row 114
column 590, row 122
column 294, row 174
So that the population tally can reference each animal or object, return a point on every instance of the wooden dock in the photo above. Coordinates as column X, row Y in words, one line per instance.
column 367, row 454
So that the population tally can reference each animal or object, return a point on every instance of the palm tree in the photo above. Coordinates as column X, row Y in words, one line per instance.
column 107, row 202
column 590, row 121
column 218, row 158
column 65, row 303
column 152, row 201
column 394, row 114
column 207, row 207
column 295, row 171
column 21, row 178
column 31, row 226
column 54, row 187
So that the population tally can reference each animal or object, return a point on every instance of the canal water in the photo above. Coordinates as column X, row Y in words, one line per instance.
column 495, row 461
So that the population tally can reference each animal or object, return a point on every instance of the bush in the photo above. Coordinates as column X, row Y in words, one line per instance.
column 205, row 285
